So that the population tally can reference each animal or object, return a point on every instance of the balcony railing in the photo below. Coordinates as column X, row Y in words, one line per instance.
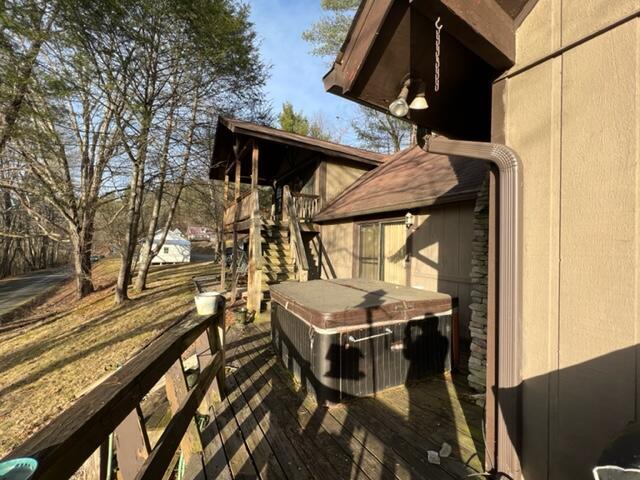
column 241, row 207
column 62, row 447
column 305, row 205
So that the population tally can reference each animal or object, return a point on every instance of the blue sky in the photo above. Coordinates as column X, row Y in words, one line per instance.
column 296, row 75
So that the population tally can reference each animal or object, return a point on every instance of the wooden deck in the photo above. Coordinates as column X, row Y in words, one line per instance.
column 266, row 428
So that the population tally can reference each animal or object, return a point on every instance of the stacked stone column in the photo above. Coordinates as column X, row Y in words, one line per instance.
column 478, row 324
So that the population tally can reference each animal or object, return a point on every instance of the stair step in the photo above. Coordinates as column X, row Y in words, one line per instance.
column 274, row 247
column 277, row 262
column 278, row 270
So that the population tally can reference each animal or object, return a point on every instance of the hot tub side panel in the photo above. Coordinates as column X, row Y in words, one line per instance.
column 358, row 362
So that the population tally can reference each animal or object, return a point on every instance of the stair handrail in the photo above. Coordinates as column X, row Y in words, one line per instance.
column 295, row 235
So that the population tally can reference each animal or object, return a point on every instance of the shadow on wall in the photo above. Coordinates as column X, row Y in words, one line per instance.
column 578, row 411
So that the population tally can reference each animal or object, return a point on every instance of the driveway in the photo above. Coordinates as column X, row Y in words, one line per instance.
column 18, row 291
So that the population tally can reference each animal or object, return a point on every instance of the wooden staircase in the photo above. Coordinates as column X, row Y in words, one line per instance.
column 278, row 262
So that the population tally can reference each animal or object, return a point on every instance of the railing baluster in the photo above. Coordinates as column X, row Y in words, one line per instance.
column 132, row 444
column 177, row 391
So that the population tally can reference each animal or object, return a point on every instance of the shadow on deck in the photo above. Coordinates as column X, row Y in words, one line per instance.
column 267, row 428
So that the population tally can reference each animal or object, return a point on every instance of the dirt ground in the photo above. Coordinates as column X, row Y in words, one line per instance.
column 52, row 355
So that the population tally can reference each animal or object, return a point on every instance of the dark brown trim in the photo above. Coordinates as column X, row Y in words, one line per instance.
column 362, row 35
column 482, row 26
column 355, row 256
column 524, row 13
column 300, row 141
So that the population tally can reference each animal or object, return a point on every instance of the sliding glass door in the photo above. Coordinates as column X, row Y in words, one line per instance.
column 382, row 251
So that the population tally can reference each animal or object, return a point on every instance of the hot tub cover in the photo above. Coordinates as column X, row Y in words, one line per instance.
column 330, row 304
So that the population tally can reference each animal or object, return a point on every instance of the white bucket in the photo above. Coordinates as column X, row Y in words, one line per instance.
column 207, row 303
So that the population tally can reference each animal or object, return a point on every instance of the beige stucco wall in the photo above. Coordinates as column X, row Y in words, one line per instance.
column 339, row 177
column 574, row 120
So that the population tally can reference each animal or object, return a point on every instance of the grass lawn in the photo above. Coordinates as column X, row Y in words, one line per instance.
column 50, row 356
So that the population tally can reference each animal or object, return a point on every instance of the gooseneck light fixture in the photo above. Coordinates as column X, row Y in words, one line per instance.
column 400, row 107
column 420, row 100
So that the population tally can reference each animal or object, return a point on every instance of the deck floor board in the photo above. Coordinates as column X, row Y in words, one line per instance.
column 267, row 428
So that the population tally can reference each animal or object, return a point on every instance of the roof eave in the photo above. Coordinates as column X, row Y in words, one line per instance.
column 423, row 203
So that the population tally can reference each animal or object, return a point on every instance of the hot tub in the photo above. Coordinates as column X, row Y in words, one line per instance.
column 352, row 338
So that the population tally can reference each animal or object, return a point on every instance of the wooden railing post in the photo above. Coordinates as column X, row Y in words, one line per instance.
column 212, row 341
column 177, row 391
column 254, row 283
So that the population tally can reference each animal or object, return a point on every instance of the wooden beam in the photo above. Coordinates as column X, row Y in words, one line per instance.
column 482, row 26
column 234, row 260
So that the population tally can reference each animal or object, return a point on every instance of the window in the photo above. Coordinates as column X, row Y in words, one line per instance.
column 165, row 249
column 382, row 250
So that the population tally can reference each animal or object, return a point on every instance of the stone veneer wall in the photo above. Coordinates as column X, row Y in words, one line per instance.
column 478, row 323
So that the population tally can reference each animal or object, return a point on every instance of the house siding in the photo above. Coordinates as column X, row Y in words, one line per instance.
column 337, row 253
column 339, row 177
column 574, row 121
column 441, row 254
column 440, row 258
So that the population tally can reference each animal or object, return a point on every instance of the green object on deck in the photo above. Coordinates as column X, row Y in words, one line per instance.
column 18, row 469
column 242, row 316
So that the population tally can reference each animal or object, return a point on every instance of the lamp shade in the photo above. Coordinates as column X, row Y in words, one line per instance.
column 399, row 107
column 419, row 102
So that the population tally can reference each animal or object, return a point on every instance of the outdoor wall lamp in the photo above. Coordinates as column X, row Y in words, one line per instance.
column 399, row 107
column 408, row 220
column 420, row 100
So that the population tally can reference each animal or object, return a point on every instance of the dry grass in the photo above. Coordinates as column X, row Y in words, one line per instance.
column 66, row 345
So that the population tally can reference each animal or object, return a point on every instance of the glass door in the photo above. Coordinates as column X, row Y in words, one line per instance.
column 382, row 250
column 369, row 268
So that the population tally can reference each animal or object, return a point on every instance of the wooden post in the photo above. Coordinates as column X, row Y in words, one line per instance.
column 254, row 284
column 234, row 262
column 223, row 253
column 208, row 344
column 177, row 391
column 255, row 251
column 255, row 154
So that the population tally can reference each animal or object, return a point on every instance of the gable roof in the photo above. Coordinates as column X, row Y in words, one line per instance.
column 412, row 178
column 228, row 127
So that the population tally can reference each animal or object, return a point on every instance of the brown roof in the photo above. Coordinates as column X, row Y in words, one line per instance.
column 409, row 179
column 287, row 138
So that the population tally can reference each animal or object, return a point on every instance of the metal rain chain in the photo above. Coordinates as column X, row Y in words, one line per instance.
column 437, row 79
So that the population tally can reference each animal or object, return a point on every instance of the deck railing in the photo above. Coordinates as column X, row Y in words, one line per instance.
column 64, row 445
column 244, row 203
column 295, row 236
column 305, row 205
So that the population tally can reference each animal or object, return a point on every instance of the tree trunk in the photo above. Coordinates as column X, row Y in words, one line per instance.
column 82, row 264
column 128, row 251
